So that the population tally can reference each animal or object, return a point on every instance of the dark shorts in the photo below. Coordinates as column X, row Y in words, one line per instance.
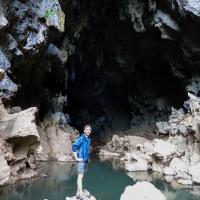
column 82, row 167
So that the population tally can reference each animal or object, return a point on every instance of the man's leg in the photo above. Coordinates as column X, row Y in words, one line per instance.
column 80, row 184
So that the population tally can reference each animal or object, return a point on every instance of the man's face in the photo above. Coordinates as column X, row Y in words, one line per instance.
column 87, row 131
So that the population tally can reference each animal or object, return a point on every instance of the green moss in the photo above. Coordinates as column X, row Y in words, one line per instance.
column 50, row 13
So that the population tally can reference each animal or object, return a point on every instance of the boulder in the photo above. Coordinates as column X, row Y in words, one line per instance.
column 142, row 191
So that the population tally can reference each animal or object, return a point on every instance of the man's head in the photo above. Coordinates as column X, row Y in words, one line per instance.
column 87, row 129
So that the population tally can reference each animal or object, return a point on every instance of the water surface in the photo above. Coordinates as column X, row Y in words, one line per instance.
column 105, row 180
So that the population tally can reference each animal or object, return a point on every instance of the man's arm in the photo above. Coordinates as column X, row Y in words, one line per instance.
column 75, row 148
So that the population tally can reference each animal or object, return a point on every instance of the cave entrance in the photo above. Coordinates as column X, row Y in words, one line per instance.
column 114, row 101
column 121, row 79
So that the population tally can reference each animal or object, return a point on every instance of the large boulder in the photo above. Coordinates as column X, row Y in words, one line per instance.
column 142, row 191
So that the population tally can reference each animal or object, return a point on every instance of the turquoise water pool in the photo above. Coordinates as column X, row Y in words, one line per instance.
column 105, row 180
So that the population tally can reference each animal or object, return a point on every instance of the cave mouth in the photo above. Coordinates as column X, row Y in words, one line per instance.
column 120, row 79
column 130, row 103
column 115, row 90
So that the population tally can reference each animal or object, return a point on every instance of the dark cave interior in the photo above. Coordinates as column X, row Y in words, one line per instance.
column 116, row 79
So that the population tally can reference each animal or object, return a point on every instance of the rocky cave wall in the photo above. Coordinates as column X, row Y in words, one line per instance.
column 134, row 61
column 116, row 64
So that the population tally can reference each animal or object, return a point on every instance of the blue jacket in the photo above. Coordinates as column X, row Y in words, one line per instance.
column 82, row 147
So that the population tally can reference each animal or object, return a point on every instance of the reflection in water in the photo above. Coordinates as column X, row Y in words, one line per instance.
column 105, row 180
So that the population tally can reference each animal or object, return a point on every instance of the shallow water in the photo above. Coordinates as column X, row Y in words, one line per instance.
column 105, row 180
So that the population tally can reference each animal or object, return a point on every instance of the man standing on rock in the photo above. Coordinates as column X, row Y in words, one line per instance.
column 81, row 150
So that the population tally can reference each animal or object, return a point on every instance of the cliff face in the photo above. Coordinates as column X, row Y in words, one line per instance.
column 116, row 64
column 28, row 58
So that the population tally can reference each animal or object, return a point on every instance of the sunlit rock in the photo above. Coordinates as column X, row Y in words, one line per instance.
column 142, row 191
column 86, row 196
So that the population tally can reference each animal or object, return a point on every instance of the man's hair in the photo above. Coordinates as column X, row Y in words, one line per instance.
column 86, row 126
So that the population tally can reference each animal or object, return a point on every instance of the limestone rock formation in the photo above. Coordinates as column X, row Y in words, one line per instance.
column 122, row 144
column 19, row 141
column 176, row 155
column 56, row 138
column 142, row 191
column 179, row 155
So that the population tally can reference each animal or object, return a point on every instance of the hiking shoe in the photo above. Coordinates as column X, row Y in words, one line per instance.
column 84, row 196
column 86, row 193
